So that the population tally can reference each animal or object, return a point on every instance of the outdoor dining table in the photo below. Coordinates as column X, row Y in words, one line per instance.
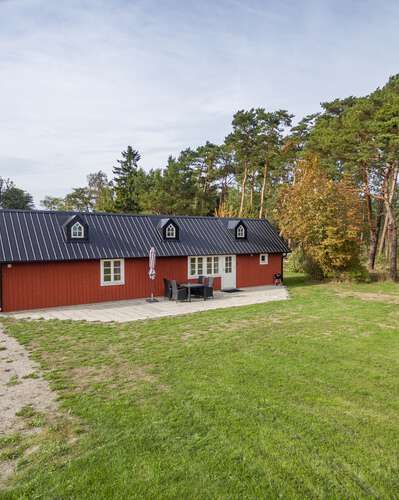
column 190, row 286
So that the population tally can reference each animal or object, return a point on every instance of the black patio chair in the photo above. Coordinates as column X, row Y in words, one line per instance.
column 208, row 290
column 178, row 293
column 199, row 292
column 167, row 289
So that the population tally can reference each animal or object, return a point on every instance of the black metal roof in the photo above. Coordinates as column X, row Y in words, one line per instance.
column 38, row 235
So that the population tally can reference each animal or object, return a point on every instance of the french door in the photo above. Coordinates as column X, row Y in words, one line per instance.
column 228, row 272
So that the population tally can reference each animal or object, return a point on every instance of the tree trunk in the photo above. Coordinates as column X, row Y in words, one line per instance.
column 251, row 192
column 243, row 185
column 383, row 242
column 262, row 193
column 393, row 258
column 372, row 229
column 389, row 197
column 374, row 233
column 383, row 237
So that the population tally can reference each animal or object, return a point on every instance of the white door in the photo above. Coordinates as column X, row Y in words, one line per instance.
column 228, row 272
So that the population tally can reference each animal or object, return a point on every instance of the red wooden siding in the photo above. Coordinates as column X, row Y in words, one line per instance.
column 251, row 273
column 50, row 284
column 37, row 285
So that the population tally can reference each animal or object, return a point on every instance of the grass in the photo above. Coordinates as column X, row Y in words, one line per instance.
column 294, row 399
column 13, row 380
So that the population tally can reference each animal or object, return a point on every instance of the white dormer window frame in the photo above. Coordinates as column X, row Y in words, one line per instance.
column 170, row 232
column 77, row 231
column 240, row 231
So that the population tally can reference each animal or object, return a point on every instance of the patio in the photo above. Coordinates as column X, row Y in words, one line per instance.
column 139, row 309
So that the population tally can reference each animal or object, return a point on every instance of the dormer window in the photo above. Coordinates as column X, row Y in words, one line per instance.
column 77, row 231
column 170, row 232
column 237, row 229
column 240, row 231
column 168, row 229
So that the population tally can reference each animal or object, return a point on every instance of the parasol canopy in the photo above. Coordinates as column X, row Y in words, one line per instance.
column 151, row 261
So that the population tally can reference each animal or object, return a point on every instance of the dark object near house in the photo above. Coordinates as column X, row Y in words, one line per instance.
column 207, row 290
column 167, row 289
column 178, row 293
column 277, row 278
column 232, row 290
column 195, row 287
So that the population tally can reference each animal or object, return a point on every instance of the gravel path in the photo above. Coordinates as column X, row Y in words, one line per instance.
column 18, row 387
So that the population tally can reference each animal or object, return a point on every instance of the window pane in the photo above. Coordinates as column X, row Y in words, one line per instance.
column 192, row 266
column 107, row 264
column 215, row 265
column 107, row 277
column 117, row 276
column 227, row 265
column 199, row 264
column 171, row 231
column 77, row 230
column 209, row 265
column 117, row 265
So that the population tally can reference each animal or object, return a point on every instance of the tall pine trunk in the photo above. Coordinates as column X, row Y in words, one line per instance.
column 389, row 198
column 243, row 186
column 251, row 192
column 262, row 193
column 375, row 229
column 393, row 240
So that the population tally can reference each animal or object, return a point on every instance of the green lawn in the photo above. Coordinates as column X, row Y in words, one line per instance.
column 294, row 399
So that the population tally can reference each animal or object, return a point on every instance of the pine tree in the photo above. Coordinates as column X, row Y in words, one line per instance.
column 128, row 181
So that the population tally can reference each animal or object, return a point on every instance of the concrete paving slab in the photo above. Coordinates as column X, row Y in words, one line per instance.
column 138, row 309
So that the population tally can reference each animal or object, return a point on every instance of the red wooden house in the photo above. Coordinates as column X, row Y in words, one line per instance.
column 63, row 258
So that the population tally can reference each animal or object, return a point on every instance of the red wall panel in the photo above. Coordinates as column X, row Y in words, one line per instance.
column 50, row 284
column 36, row 285
column 251, row 273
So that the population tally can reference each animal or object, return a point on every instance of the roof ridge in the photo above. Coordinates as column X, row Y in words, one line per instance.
column 123, row 214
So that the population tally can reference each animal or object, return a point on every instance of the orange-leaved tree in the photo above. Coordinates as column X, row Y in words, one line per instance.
column 323, row 216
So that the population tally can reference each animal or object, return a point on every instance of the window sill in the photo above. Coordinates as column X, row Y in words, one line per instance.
column 113, row 283
column 196, row 276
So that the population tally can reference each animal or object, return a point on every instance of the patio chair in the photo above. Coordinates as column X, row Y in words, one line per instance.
column 177, row 293
column 167, row 289
column 208, row 290
column 199, row 292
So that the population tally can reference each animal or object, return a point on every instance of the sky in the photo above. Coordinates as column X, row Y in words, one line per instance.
column 82, row 79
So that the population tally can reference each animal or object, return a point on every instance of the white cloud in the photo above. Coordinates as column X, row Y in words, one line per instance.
column 80, row 80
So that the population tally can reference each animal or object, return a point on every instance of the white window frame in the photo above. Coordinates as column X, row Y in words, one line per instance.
column 121, row 281
column 215, row 258
column 266, row 261
column 170, row 235
column 240, row 231
column 80, row 228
